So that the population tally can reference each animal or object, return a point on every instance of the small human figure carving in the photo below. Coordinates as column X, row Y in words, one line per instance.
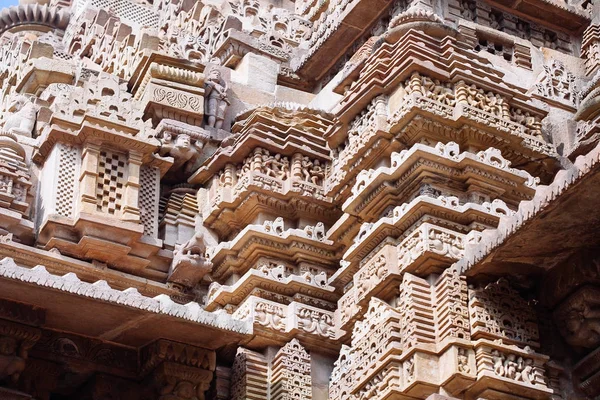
column 317, row 173
column 524, row 370
column 276, row 166
column 306, row 167
column 463, row 361
column 216, row 102
column 498, row 362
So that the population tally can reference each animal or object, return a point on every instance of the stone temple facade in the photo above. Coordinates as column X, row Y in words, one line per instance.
column 300, row 200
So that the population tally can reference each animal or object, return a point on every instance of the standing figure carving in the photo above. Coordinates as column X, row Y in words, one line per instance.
column 216, row 102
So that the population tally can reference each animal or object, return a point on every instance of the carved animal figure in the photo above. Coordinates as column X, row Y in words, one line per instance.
column 22, row 119
column 190, row 264
column 184, row 152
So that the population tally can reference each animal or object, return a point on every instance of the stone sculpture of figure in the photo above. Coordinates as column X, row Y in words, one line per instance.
column 498, row 363
column 317, row 173
column 190, row 263
column 307, row 165
column 11, row 365
column 276, row 166
column 22, row 119
column 527, row 373
column 533, row 125
column 510, row 366
column 463, row 361
column 216, row 102
column 184, row 152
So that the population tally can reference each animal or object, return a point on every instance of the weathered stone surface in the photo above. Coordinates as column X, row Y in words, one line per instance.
column 299, row 199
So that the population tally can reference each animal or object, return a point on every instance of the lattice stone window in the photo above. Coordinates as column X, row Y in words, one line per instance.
column 148, row 200
column 110, row 184
column 68, row 159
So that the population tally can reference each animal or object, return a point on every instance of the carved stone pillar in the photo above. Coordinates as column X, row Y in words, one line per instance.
column 88, row 177
column 229, row 175
column 176, row 371
column 290, row 373
column 462, row 92
column 257, row 160
column 415, row 85
column 131, row 211
column 249, row 376
column 297, row 166
column 286, row 376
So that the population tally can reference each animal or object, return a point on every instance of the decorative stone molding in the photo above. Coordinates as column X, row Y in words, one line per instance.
column 179, row 371
column 101, row 291
column 33, row 14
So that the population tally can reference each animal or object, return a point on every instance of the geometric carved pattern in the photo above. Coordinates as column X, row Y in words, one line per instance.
column 290, row 377
column 110, row 182
column 66, row 180
column 451, row 311
column 148, row 200
column 249, row 376
column 497, row 311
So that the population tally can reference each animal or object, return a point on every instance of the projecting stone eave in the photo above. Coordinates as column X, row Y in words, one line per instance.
column 291, row 285
column 372, row 188
column 93, row 129
column 553, row 13
column 406, row 56
column 140, row 76
column 319, row 119
column 60, row 264
column 95, row 309
column 404, row 217
column 255, row 241
column 355, row 18
column 566, row 205
column 232, row 213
